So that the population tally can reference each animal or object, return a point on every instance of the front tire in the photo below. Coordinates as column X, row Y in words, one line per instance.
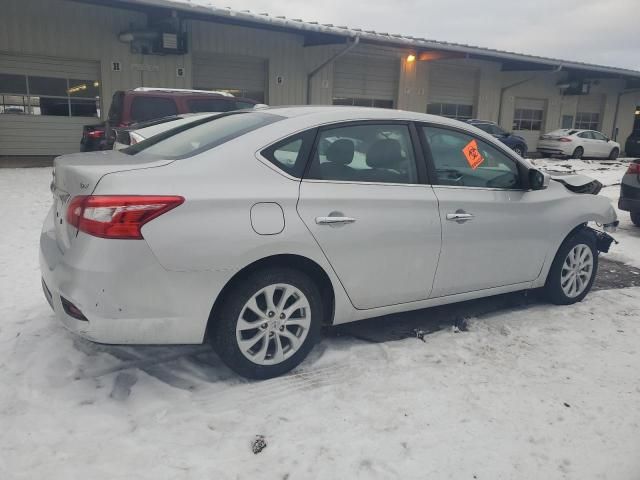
column 573, row 270
column 268, row 323
column 635, row 218
column 577, row 153
column 614, row 154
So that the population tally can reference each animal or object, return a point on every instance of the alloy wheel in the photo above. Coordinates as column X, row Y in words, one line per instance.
column 577, row 270
column 273, row 324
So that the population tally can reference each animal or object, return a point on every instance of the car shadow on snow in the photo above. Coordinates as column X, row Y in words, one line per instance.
column 195, row 367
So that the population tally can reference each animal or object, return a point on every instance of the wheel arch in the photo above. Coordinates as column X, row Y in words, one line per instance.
column 298, row 262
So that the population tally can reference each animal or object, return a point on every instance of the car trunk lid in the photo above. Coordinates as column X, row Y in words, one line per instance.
column 79, row 174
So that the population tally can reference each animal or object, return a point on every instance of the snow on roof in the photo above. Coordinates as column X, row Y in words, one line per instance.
column 407, row 41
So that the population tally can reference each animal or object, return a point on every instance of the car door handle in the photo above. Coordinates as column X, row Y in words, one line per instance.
column 459, row 217
column 334, row 220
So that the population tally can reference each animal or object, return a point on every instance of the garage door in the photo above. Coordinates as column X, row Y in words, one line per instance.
column 44, row 102
column 365, row 81
column 243, row 76
column 529, row 119
column 452, row 91
column 589, row 111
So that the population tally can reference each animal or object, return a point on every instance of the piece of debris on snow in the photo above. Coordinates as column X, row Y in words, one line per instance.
column 419, row 334
column 258, row 444
column 567, row 405
column 460, row 325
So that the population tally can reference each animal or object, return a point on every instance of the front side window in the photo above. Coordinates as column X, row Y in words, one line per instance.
column 527, row 119
column 198, row 136
column 462, row 160
column 451, row 110
column 599, row 136
column 365, row 153
column 148, row 108
column 587, row 135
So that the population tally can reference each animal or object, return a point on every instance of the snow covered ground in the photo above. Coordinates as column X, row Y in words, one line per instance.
column 536, row 392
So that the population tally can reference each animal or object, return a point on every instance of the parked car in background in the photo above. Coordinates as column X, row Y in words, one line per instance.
column 238, row 230
column 575, row 143
column 515, row 142
column 632, row 145
column 146, row 103
column 630, row 192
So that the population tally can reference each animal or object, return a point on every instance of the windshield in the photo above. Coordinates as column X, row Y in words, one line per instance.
column 200, row 135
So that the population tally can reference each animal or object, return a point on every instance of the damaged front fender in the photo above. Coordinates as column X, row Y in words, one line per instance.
column 579, row 183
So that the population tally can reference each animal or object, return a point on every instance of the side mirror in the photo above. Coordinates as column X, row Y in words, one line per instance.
column 538, row 180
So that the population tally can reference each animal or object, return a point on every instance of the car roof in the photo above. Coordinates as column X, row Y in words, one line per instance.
column 321, row 113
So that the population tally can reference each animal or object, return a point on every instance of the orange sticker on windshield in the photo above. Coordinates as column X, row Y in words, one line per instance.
column 472, row 154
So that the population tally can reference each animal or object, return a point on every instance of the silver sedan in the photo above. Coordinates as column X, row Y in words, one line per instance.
column 253, row 229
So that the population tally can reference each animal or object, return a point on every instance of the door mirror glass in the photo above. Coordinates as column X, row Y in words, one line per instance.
column 538, row 180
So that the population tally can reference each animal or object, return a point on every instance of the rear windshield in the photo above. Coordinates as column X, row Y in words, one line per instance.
column 195, row 137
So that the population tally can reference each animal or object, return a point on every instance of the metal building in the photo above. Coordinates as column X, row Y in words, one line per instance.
column 62, row 60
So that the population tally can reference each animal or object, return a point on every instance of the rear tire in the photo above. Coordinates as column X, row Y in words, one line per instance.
column 573, row 270
column 519, row 149
column 577, row 153
column 635, row 218
column 268, row 323
column 614, row 154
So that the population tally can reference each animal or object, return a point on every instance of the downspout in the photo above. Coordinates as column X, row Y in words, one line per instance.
column 504, row 89
column 331, row 59
column 615, row 114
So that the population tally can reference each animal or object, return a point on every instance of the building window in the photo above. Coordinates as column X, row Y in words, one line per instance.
column 587, row 121
column 451, row 110
column 527, row 119
column 59, row 97
column 363, row 102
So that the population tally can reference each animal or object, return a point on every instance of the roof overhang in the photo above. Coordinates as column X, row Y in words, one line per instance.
column 314, row 33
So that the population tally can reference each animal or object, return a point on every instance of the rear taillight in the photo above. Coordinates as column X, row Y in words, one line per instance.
column 564, row 139
column 95, row 134
column 117, row 216
column 634, row 168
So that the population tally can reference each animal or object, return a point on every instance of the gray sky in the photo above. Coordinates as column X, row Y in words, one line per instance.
column 594, row 31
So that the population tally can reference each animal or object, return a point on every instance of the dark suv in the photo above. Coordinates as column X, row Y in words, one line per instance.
column 144, row 104
column 514, row 142
column 630, row 192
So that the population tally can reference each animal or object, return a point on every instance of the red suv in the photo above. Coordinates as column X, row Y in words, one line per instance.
column 143, row 104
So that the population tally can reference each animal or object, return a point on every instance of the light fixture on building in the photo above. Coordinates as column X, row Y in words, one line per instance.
column 411, row 58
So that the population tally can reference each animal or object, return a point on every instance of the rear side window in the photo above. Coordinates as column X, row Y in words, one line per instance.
column 209, row 105
column 365, row 153
column 147, row 108
column 291, row 155
column 196, row 137
column 115, row 111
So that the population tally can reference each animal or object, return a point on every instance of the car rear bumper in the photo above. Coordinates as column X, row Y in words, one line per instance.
column 629, row 204
column 554, row 149
column 115, row 291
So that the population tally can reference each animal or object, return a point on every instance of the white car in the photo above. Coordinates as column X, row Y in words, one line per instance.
column 578, row 144
column 240, row 231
